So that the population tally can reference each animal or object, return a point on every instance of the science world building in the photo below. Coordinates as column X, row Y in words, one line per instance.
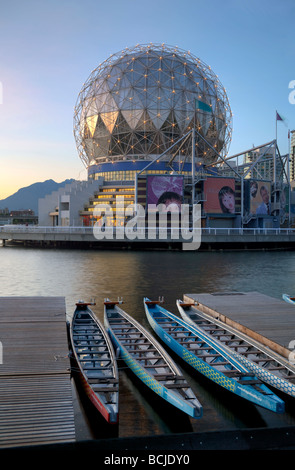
column 154, row 122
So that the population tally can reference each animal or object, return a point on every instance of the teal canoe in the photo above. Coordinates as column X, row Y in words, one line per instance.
column 209, row 358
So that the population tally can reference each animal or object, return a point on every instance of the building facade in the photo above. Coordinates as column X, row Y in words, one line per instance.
column 153, row 123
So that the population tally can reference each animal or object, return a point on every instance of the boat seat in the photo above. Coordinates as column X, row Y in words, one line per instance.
column 233, row 373
column 105, row 389
column 176, row 385
column 168, row 377
column 93, row 369
column 138, row 350
column 103, row 379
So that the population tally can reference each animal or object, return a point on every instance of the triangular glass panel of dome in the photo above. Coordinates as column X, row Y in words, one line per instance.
column 145, row 124
column 125, row 80
column 167, row 80
column 102, row 147
column 102, row 87
column 183, row 118
column 122, row 98
column 136, row 98
column 91, row 107
column 152, row 101
column 91, row 123
column 109, row 104
column 158, row 117
column 139, row 80
column 100, row 101
column 219, row 123
column 152, row 79
column 89, row 147
column 100, row 130
column 132, row 117
column 205, row 121
column 213, row 103
column 109, row 119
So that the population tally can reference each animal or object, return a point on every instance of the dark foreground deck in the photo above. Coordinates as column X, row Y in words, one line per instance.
column 36, row 405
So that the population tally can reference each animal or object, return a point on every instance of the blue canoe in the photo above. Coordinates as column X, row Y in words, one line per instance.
column 148, row 360
column 288, row 298
column 267, row 366
column 209, row 358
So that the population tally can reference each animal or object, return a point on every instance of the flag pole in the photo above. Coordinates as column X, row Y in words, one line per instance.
column 193, row 162
column 275, row 153
column 288, row 169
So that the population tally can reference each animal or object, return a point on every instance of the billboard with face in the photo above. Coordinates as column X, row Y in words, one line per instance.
column 219, row 195
column 165, row 189
column 260, row 202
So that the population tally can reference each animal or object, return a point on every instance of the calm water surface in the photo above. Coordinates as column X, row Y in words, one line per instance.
column 85, row 274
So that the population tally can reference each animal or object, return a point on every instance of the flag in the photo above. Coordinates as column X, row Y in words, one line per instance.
column 203, row 106
column 280, row 118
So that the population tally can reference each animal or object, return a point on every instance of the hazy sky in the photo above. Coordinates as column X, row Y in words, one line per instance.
column 48, row 49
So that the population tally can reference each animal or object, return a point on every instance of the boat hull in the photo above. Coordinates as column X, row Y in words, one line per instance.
column 97, row 392
column 194, row 411
column 287, row 298
column 270, row 401
column 274, row 380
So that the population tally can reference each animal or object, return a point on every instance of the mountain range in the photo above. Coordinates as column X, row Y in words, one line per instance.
column 27, row 198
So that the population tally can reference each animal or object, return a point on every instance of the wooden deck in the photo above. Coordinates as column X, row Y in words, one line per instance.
column 36, row 404
column 268, row 320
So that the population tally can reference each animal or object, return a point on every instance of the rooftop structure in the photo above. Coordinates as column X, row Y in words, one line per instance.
column 141, row 101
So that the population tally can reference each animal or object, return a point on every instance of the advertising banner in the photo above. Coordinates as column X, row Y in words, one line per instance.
column 165, row 189
column 260, row 202
column 219, row 195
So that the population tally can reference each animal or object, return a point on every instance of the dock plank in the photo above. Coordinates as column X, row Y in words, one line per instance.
column 268, row 320
column 36, row 403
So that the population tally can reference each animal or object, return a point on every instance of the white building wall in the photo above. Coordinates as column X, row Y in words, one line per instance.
column 69, row 201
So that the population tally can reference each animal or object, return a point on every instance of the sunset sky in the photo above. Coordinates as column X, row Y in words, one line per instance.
column 49, row 48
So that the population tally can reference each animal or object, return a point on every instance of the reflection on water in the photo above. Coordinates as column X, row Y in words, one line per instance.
column 84, row 274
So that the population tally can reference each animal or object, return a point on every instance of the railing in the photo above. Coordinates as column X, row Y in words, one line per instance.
column 39, row 229
column 89, row 230
column 248, row 231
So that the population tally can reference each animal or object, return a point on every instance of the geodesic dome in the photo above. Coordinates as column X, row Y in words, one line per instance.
column 140, row 101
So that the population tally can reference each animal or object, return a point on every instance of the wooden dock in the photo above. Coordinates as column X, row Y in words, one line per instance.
column 268, row 320
column 36, row 404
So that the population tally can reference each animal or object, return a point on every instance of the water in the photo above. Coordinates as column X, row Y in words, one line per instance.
column 84, row 274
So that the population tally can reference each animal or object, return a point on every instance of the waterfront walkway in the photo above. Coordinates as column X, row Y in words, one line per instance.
column 210, row 238
column 36, row 404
